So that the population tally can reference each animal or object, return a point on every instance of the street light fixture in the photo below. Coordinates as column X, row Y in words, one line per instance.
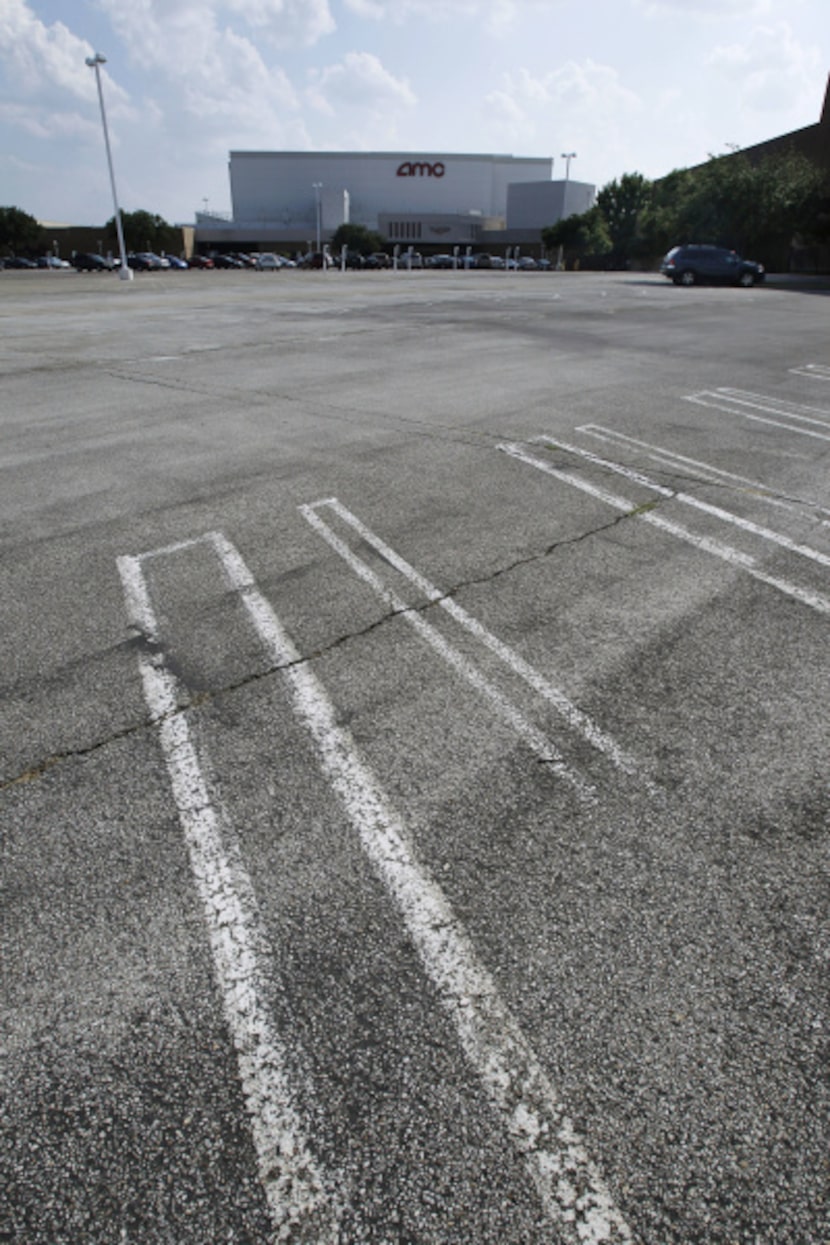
column 567, row 156
column 95, row 62
column 317, row 187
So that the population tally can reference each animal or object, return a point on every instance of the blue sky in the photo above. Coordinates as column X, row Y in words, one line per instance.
column 629, row 85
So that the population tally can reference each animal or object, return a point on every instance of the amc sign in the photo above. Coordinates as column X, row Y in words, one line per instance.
column 421, row 169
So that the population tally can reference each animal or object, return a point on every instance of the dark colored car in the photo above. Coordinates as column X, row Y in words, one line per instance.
column 20, row 261
column 689, row 265
column 200, row 261
column 86, row 261
column 142, row 261
column 226, row 261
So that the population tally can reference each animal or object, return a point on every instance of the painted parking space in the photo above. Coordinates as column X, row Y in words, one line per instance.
column 596, row 751
column 571, row 1189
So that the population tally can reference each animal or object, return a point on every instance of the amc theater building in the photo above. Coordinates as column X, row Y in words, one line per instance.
column 430, row 201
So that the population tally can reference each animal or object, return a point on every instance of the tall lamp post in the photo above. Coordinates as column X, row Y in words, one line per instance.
column 567, row 156
column 317, row 187
column 95, row 62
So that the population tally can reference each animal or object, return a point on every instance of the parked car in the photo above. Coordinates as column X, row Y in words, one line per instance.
column 144, row 261
column 688, row 265
column 19, row 261
column 268, row 262
column 316, row 259
column 200, row 261
column 226, row 261
column 527, row 264
column 378, row 259
column 89, row 261
column 175, row 262
column 441, row 261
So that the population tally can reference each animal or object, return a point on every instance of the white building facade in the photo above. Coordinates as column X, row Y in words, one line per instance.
column 294, row 198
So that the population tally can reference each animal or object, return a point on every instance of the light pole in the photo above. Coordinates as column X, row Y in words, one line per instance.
column 317, row 187
column 95, row 62
column 567, row 156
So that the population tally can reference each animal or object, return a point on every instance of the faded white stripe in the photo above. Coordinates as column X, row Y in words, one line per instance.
column 726, row 553
column 781, row 406
column 570, row 1186
column 294, row 1188
column 673, row 460
column 816, row 371
column 576, row 719
column 711, row 400
column 686, row 499
column 539, row 742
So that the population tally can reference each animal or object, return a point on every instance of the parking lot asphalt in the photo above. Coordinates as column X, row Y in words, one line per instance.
column 414, row 759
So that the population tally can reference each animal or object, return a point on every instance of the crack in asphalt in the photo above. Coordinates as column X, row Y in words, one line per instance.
column 464, row 436
column 197, row 699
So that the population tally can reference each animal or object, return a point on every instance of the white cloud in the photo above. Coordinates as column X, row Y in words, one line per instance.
column 578, row 97
column 769, row 69
column 41, row 123
column 43, row 61
column 358, row 81
column 493, row 15
column 503, row 111
column 216, row 77
column 287, row 21
column 706, row 8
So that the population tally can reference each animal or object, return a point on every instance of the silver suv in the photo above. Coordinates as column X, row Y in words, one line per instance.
column 688, row 265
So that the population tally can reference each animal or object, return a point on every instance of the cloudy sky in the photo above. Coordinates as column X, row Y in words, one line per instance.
column 629, row 85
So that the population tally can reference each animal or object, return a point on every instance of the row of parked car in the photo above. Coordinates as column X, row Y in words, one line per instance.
column 45, row 261
column 269, row 261
column 525, row 263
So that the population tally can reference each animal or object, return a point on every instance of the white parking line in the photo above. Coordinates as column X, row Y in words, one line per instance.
column 734, row 401
column 687, row 499
column 783, row 406
column 816, row 371
column 576, row 719
column 715, row 475
column 571, row 1189
column 726, row 553
column 294, row 1187
column 536, row 740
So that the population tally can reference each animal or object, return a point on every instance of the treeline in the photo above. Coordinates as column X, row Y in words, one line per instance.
column 758, row 209
column 22, row 234
column 144, row 231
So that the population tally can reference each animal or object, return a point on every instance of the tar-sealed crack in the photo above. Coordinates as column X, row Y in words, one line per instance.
column 151, row 646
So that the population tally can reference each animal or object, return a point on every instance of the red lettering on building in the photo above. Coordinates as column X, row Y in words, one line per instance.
column 420, row 168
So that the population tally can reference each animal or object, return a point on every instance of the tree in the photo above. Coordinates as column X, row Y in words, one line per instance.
column 661, row 226
column 580, row 236
column 18, row 230
column 144, row 231
column 755, row 207
column 357, row 238
column 622, row 204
